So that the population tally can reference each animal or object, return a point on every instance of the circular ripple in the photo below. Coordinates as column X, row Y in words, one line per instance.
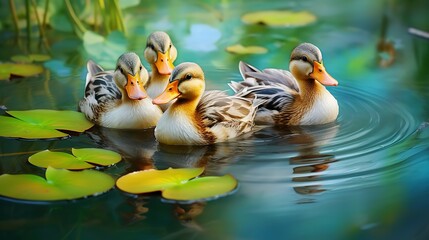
column 367, row 125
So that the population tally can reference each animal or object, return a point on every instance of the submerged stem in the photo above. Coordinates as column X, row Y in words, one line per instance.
column 42, row 35
column 45, row 13
column 78, row 24
column 14, row 18
column 28, row 21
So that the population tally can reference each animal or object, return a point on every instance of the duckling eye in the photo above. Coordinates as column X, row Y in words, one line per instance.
column 141, row 67
column 304, row 58
column 188, row 76
column 120, row 69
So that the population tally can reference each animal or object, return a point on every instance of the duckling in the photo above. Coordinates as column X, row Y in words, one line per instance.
column 298, row 97
column 198, row 117
column 117, row 99
column 160, row 53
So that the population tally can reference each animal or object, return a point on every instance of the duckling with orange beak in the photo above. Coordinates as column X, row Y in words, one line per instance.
column 198, row 117
column 298, row 97
column 160, row 53
column 117, row 99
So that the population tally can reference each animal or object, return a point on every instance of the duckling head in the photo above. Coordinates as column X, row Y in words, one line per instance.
column 130, row 76
column 160, row 52
column 306, row 63
column 186, row 83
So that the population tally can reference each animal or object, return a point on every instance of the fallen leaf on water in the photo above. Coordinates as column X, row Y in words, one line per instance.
column 82, row 158
column 181, row 184
column 30, row 58
column 42, row 123
column 59, row 184
column 19, row 70
column 279, row 18
column 240, row 49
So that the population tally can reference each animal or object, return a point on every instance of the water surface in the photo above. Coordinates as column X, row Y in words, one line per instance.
column 365, row 176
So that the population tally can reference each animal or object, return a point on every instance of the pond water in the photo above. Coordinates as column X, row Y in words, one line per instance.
column 365, row 176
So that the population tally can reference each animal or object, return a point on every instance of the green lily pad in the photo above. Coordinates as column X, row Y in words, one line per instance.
column 155, row 180
column 201, row 188
column 175, row 184
column 42, row 123
column 279, row 18
column 60, row 184
column 83, row 158
column 240, row 49
column 30, row 58
column 19, row 69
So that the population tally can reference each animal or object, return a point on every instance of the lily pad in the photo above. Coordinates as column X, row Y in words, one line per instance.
column 83, row 158
column 175, row 184
column 155, row 180
column 240, row 49
column 42, row 123
column 201, row 188
column 30, row 58
column 60, row 184
column 279, row 18
column 19, row 69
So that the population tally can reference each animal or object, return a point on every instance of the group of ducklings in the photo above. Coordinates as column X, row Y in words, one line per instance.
column 174, row 100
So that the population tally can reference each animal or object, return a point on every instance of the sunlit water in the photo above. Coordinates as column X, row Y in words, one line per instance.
column 364, row 176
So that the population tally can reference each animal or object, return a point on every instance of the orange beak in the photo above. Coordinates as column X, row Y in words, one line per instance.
column 319, row 73
column 134, row 88
column 163, row 63
column 170, row 93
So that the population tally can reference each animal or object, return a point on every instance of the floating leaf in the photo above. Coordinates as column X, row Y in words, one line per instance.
column 83, row 158
column 155, row 180
column 21, row 59
column 201, row 188
column 60, row 184
column 39, row 57
column 18, row 69
column 30, row 58
column 279, row 18
column 42, row 123
column 240, row 49
column 175, row 184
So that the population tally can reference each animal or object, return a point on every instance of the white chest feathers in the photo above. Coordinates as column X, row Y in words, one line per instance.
column 132, row 116
column 176, row 128
column 324, row 110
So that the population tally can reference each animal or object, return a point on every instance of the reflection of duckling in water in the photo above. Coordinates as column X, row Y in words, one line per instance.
column 309, row 158
column 136, row 146
column 211, row 157
column 140, row 150
column 187, row 214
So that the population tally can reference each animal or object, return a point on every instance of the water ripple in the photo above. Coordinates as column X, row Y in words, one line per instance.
column 361, row 143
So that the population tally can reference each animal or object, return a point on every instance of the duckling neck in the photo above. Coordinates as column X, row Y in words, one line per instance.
column 187, row 106
column 309, row 88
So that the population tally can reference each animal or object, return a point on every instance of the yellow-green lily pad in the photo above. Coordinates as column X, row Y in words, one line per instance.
column 240, row 49
column 279, row 18
column 19, row 69
column 60, row 184
column 83, row 158
column 155, row 180
column 42, row 123
column 177, row 184
column 30, row 58
column 201, row 188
